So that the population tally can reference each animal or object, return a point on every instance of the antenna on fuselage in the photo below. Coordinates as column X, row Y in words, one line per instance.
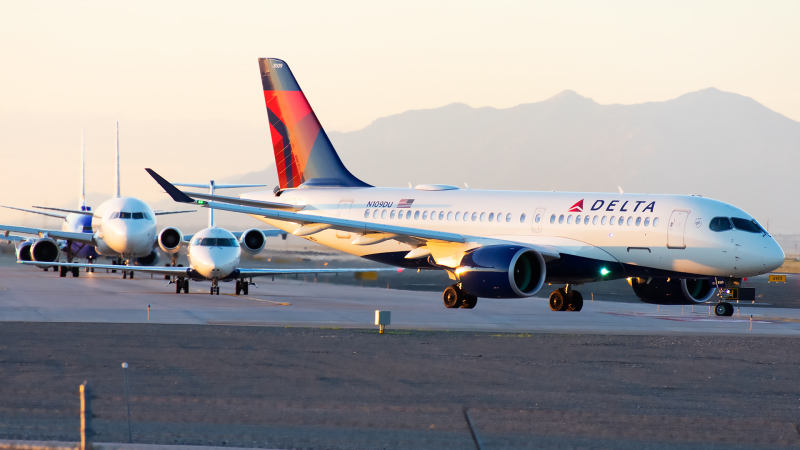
column 117, row 159
column 82, row 200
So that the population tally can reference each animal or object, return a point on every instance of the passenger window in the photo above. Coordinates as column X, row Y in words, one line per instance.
column 578, row 219
column 621, row 221
column 638, row 221
column 483, row 216
column 466, row 216
column 416, row 214
column 450, row 215
column 522, row 218
column 569, row 219
column 594, row 220
column 400, row 214
column 612, row 220
column 441, row 215
column 474, row 216
column 458, row 215
column 646, row 221
column 561, row 219
column 508, row 217
column 375, row 214
column 603, row 220
column 366, row 214
column 553, row 218
column 433, row 215
column 424, row 215
column 720, row 224
column 491, row 217
column 391, row 216
column 586, row 220
column 499, row 217
column 383, row 214
column 630, row 220
column 408, row 215
column 655, row 222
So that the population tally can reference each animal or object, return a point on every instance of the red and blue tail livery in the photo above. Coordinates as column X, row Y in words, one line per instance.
column 303, row 151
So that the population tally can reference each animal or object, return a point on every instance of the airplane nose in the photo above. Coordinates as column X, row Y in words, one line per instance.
column 772, row 256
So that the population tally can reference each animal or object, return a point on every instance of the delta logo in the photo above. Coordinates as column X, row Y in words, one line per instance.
column 577, row 207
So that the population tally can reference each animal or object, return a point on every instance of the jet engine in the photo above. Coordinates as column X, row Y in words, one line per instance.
column 672, row 291
column 170, row 240
column 43, row 250
column 149, row 260
column 501, row 271
column 24, row 251
column 253, row 241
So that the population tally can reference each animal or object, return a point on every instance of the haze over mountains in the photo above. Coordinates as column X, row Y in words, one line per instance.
column 712, row 143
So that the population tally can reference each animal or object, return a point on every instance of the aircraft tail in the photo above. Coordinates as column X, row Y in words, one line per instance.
column 303, row 151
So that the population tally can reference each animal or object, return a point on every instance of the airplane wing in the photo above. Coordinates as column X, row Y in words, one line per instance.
column 370, row 230
column 247, row 273
column 84, row 238
column 73, row 211
column 8, row 238
column 161, row 213
column 60, row 216
column 169, row 270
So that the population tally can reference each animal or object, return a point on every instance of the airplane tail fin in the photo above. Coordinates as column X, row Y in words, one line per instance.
column 303, row 151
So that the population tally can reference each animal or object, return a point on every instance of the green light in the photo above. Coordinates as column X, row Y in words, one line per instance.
column 201, row 202
column 604, row 271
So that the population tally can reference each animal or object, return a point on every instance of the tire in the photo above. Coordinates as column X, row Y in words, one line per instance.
column 124, row 274
column 178, row 286
column 245, row 288
column 720, row 309
column 131, row 274
column 469, row 301
column 62, row 271
column 238, row 287
column 557, row 301
column 452, row 297
column 186, row 286
column 575, row 302
column 76, row 271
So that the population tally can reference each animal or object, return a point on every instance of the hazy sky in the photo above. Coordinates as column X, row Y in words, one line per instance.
column 182, row 78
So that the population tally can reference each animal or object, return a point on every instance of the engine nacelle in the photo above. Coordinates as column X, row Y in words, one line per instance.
column 41, row 250
column 149, row 260
column 24, row 251
column 666, row 291
column 169, row 240
column 253, row 241
column 501, row 271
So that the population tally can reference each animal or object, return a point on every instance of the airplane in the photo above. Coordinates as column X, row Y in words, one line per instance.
column 78, row 223
column 673, row 249
column 214, row 255
column 123, row 228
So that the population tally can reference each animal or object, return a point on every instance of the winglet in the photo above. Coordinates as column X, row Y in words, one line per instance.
column 173, row 192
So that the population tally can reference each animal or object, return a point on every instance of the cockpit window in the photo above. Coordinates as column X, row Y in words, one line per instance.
column 216, row 242
column 746, row 225
column 146, row 216
column 196, row 241
column 138, row 215
column 720, row 224
column 125, row 215
column 114, row 215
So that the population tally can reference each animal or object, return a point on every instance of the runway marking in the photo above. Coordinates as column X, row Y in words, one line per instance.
column 700, row 318
column 259, row 300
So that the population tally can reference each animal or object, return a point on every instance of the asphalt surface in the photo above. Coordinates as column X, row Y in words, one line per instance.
column 349, row 388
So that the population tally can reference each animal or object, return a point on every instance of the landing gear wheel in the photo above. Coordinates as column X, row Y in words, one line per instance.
column 245, row 287
column 575, row 301
column 469, row 301
column 124, row 274
column 238, row 287
column 558, row 301
column 185, row 286
column 178, row 285
column 452, row 297
column 723, row 309
column 131, row 274
column 76, row 271
column 62, row 272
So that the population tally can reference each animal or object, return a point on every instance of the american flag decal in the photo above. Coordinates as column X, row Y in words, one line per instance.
column 405, row 203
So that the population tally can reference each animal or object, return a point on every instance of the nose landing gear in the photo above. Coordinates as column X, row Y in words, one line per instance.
column 566, row 299
column 214, row 287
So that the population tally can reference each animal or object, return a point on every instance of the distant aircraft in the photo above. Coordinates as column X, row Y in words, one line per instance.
column 673, row 249
column 123, row 228
column 214, row 255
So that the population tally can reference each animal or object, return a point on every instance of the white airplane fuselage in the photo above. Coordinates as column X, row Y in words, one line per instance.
column 124, row 226
column 214, row 253
column 660, row 235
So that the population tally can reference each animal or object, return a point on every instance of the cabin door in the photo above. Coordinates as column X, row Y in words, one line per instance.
column 344, row 213
column 676, row 227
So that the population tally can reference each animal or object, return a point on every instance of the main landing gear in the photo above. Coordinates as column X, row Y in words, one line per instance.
column 242, row 286
column 723, row 309
column 454, row 297
column 181, row 284
column 566, row 299
column 64, row 270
